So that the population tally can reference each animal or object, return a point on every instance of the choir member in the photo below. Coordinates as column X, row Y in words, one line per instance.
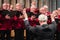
column 18, row 23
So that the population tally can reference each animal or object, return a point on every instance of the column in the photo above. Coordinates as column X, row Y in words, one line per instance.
column 27, row 3
column 54, row 5
column 0, row 3
column 58, row 3
column 35, row 1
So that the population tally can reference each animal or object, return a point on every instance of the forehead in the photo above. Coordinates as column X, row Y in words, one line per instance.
column 4, row 4
column 41, row 9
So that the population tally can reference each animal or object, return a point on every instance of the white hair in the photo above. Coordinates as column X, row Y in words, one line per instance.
column 45, row 6
column 43, row 18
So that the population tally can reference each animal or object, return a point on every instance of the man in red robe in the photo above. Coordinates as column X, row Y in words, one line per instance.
column 18, row 23
column 6, row 27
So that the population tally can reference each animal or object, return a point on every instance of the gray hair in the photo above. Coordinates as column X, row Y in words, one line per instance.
column 43, row 18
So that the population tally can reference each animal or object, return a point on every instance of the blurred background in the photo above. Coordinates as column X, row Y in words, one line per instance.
column 53, row 4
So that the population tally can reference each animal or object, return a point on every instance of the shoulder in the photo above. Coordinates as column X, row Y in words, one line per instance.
column 38, row 27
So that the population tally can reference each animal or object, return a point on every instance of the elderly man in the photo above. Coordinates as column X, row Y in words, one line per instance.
column 46, row 10
column 42, row 31
column 32, row 14
column 18, row 23
column 5, row 28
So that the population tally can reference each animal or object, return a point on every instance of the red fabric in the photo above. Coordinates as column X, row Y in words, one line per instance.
column 37, row 21
column 17, row 23
column 58, row 16
column 14, row 18
column 14, row 22
column 8, row 24
column 49, row 18
column 28, row 10
column 48, row 13
column 32, row 22
column 3, row 27
column 58, row 25
column 20, row 24
column 36, row 10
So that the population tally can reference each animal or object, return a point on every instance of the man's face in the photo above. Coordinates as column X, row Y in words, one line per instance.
column 19, row 7
column 42, row 11
column 46, row 9
column 4, row 6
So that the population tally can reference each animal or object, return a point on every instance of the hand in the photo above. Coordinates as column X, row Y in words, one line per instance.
column 24, row 13
column 7, row 17
column 24, row 10
column 54, row 14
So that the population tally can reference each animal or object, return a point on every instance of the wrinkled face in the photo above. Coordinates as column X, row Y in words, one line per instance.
column 4, row 6
column 18, row 7
column 42, row 11
column 46, row 9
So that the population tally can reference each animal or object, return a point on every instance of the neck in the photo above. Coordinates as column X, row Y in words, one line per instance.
column 41, row 23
